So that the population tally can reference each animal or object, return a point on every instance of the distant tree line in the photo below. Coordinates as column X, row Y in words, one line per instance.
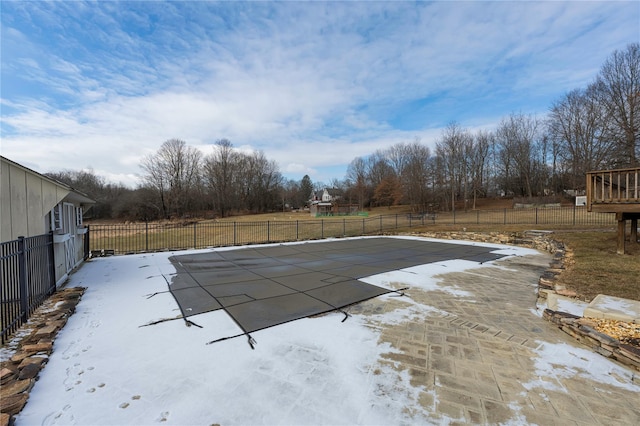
column 226, row 181
column 592, row 128
column 112, row 200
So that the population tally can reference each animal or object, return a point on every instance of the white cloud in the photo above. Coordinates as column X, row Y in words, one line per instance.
column 298, row 169
column 311, row 84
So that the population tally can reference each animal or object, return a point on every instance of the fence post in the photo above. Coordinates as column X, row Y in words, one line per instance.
column 234, row 233
column 268, row 231
column 574, row 213
column 146, row 236
column 297, row 230
column 195, row 224
column 536, row 215
column 321, row 228
column 22, row 281
column 380, row 223
column 52, row 264
column 344, row 227
column 87, row 243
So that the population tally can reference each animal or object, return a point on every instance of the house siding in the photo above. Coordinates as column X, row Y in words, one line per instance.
column 27, row 198
column 27, row 201
column 5, row 205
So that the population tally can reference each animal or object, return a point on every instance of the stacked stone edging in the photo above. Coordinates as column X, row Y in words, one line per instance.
column 603, row 344
column 18, row 375
column 573, row 325
column 538, row 240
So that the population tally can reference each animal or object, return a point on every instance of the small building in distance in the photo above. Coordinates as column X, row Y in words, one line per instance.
column 327, row 203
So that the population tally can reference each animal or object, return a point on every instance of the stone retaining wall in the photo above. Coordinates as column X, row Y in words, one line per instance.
column 603, row 344
column 18, row 375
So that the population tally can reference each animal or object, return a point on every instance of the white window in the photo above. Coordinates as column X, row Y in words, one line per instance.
column 68, row 218
column 79, row 214
column 56, row 218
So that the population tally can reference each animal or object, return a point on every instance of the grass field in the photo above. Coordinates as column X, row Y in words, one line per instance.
column 593, row 267
column 596, row 268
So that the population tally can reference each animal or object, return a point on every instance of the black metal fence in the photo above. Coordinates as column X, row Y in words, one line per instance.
column 148, row 237
column 28, row 278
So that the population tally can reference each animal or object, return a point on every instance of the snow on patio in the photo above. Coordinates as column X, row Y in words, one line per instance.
column 109, row 368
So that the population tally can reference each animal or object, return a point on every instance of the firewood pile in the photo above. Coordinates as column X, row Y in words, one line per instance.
column 625, row 332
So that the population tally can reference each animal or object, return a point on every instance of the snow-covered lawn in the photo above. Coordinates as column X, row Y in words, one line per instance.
column 109, row 368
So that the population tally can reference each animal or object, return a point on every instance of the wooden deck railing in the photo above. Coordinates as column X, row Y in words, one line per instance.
column 614, row 191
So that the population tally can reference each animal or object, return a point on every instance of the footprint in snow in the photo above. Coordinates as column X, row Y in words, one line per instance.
column 57, row 415
column 163, row 416
column 126, row 404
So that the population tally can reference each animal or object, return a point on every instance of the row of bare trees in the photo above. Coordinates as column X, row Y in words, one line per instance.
column 592, row 128
column 111, row 199
column 187, row 182
column 180, row 182
column 587, row 129
column 465, row 166
column 598, row 127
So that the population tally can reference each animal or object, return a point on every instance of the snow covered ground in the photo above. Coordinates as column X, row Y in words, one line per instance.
column 109, row 368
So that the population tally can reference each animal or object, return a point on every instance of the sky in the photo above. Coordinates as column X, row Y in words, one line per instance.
column 313, row 85
column 108, row 368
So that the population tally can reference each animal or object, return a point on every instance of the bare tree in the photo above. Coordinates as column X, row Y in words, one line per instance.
column 221, row 174
column 415, row 175
column 290, row 190
column 173, row 171
column 378, row 168
column 618, row 89
column 452, row 151
column 478, row 158
column 575, row 125
column 240, row 181
column 399, row 156
column 261, row 182
column 382, row 175
column 357, row 176
column 517, row 140
column 96, row 187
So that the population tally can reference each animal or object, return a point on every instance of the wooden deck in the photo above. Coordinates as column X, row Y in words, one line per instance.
column 616, row 191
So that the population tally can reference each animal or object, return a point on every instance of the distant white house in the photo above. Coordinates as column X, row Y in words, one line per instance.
column 323, row 196
column 32, row 204
column 325, row 202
